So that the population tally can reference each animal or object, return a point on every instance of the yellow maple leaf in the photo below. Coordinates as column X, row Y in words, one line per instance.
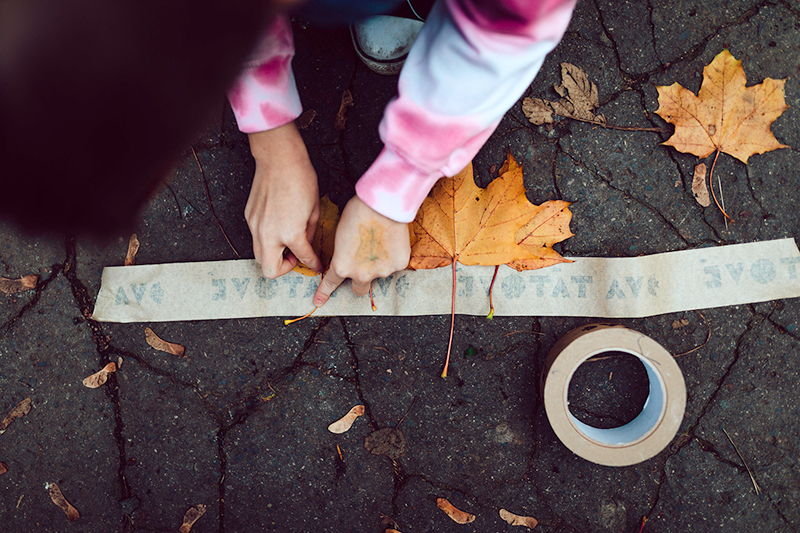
column 323, row 237
column 492, row 226
column 725, row 115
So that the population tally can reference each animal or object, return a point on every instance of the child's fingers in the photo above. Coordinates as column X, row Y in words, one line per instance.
column 304, row 253
column 274, row 263
column 329, row 282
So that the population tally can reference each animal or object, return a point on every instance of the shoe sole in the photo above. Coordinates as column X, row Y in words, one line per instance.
column 386, row 67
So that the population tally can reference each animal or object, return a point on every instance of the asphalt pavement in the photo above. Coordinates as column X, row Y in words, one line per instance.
column 239, row 425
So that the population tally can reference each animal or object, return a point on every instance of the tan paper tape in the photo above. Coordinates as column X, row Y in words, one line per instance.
column 644, row 436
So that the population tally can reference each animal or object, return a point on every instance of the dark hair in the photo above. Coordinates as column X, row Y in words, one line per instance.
column 97, row 97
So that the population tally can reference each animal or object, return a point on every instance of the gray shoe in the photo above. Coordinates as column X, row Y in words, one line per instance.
column 383, row 42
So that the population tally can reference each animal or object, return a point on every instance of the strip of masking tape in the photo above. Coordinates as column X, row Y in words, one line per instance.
column 588, row 287
column 638, row 440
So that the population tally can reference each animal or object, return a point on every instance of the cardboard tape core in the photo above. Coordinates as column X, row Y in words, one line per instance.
column 641, row 438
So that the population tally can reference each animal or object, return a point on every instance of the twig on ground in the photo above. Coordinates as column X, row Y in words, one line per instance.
column 708, row 338
column 211, row 204
column 753, row 479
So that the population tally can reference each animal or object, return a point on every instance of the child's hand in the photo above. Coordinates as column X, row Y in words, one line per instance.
column 367, row 246
column 283, row 208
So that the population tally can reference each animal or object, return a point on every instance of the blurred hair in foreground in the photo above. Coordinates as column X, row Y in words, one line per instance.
column 98, row 97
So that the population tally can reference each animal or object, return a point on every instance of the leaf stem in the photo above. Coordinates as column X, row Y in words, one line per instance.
column 622, row 128
column 711, row 186
column 491, row 292
column 292, row 321
column 452, row 323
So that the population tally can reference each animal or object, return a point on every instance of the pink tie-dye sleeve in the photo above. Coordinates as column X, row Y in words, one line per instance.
column 265, row 95
column 471, row 62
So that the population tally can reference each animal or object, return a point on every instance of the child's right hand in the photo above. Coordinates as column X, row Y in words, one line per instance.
column 283, row 207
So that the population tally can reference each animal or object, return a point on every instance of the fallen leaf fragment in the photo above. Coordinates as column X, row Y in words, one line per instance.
column 99, row 378
column 537, row 111
column 725, row 115
column 699, row 187
column 13, row 286
column 344, row 423
column 517, row 520
column 61, row 501
column 21, row 409
column 3, row 468
column 390, row 530
column 305, row 120
column 341, row 117
column 133, row 247
column 457, row 515
column 676, row 324
column 386, row 441
column 324, row 236
column 191, row 517
column 159, row 344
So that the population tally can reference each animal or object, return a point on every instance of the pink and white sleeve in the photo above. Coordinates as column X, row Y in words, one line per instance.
column 471, row 62
column 265, row 95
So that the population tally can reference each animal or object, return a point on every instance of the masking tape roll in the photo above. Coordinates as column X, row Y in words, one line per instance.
column 643, row 437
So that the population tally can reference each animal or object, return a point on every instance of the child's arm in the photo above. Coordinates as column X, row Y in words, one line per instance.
column 471, row 62
column 283, row 207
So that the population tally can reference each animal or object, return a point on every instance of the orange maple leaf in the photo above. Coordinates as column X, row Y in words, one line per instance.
column 324, row 236
column 459, row 222
column 725, row 115
column 492, row 226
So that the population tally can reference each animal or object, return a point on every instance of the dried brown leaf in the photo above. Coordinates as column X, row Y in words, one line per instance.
column 386, row 441
column 581, row 93
column 305, row 120
column 537, row 111
column 21, row 409
column 341, row 117
column 457, row 515
column 517, row 520
column 61, row 501
column 159, row 344
column 13, row 286
column 133, row 247
column 191, row 517
column 99, row 378
column 579, row 100
column 344, row 423
column 3, row 468
column 699, row 187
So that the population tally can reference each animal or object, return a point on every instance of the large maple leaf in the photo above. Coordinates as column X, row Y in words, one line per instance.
column 460, row 222
column 725, row 115
column 493, row 226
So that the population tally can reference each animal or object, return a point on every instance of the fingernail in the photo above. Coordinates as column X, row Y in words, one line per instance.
column 317, row 302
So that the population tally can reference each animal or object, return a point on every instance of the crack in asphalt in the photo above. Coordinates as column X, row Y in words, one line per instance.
column 686, row 438
column 630, row 195
column 85, row 305
column 41, row 286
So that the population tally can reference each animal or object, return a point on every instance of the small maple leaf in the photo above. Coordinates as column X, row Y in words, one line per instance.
column 323, row 237
column 725, row 115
